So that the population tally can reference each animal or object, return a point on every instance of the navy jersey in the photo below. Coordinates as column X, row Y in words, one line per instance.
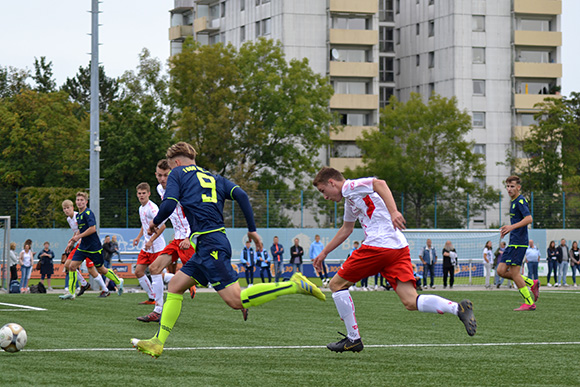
column 92, row 242
column 202, row 196
column 519, row 209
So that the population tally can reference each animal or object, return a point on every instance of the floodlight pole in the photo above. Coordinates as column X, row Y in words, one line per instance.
column 94, row 128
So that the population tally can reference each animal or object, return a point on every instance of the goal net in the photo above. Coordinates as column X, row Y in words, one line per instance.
column 4, row 250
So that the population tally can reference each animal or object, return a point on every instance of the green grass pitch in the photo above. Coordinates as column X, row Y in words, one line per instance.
column 87, row 342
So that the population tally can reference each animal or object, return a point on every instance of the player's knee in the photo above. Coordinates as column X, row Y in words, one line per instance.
column 409, row 304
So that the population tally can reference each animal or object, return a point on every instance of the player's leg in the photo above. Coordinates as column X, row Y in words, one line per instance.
column 95, row 274
column 144, row 281
column 156, row 269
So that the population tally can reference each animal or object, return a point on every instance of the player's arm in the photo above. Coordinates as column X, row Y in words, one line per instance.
column 522, row 223
column 343, row 233
column 165, row 210
column 155, row 235
column 381, row 187
column 241, row 197
column 136, row 240
column 89, row 231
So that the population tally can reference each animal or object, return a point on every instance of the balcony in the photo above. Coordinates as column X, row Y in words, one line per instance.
column 354, row 101
column 354, row 69
column 180, row 32
column 538, row 7
column 538, row 38
column 521, row 132
column 526, row 102
column 538, row 70
column 359, row 6
column 354, row 37
column 341, row 163
column 203, row 25
column 350, row 133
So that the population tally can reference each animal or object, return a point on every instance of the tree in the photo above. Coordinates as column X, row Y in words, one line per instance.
column 43, row 76
column 421, row 151
column 13, row 81
column 79, row 88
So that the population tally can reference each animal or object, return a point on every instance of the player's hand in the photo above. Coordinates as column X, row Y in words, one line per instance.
column 135, row 242
column 152, row 228
column 255, row 237
column 319, row 261
column 184, row 244
column 504, row 230
column 75, row 238
column 398, row 220
column 148, row 245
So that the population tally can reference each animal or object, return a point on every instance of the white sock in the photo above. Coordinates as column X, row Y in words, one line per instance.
column 157, row 283
column 345, row 308
column 146, row 285
column 101, row 283
column 430, row 303
column 167, row 277
column 80, row 278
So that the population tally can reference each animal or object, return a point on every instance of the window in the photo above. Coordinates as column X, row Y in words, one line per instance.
column 214, row 12
column 351, row 87
column 266, row 26
column 386, row 10
column 386, row 69
column 384, row 95
column 478, row 54
column 257, row 29
column 478, row 23
column 398, row 6
column 534, row 56
column 431, row 2
column 242, row 34
column 213, row 39
column 350, row 55
column 478, row 87
column 527, row 120
column 347, row 149
column 223, row 9
column 533, row 87
column 398, row 62
column 242, row 5
column 479, row 149
column 534, row 25
column 257, row 2
column 355, row 119
column 479, row 119
column 351, row 23
column 418, row 28
column 386, row 43
column 418, row 89
column 398, row 35
column 417, row 60
column 265, row 1
column 431, row 89
column 431, row 59
column 187, row 18
column 431, row 27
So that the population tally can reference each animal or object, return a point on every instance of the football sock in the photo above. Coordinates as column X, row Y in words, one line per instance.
column 171, row 312
column 167, row 277
column 266, row 292
column 101, row 282
column 146, row 285
column 528, row 281
column 430, row 303
column 157, row 283
column 113, row 277
column 72, row 282
column 525, row 292
column 80, row 278
column 345, row 307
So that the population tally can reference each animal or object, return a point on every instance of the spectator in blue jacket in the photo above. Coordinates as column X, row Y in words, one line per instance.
column 429, row 258
column 248, row 260
column 264, row 264
column 315, row 250
column 277, row 251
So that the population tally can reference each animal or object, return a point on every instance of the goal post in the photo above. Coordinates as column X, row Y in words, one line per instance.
column 5, row 251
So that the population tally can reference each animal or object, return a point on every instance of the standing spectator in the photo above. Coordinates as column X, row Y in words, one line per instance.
column 13, row 262
column 46, row 267
column 108, row 251
column 487, row 262
column 574, row 260
column 449, row 262
column 277, row 251
column 552, row 260
column 315, row 248
column 563, row 261
column 26, row 261
column 296, row 253
column 429, row 258
column 248, row 260
column 115, row 246
column 264, row 264
column 498, row 280
column 533, row 259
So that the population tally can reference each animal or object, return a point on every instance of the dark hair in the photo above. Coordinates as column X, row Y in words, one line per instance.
column 513, row 178
column 325, row 174
column 163, row 164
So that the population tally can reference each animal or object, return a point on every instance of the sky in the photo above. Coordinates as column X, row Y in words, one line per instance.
column 58, row 30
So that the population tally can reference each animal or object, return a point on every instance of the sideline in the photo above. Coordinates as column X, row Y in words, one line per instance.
column 22, row 308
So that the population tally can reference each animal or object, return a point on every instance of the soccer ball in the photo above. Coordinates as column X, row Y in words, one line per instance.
column 12, row 337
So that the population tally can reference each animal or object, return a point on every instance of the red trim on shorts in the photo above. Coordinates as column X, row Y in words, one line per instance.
column 145, row 258
column 173, row 250
column 393, row 264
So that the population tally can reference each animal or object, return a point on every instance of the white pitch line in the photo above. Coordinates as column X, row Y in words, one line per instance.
column 19, row 306
column 307, row 347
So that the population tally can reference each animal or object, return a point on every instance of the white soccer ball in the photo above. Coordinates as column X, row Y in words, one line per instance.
column 12, row 337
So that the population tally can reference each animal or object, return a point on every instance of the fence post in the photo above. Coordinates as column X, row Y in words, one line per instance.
column 126, row 207
column 16, row 207
column 532, row 212
column 435, row 210
column 470, row 279
column 564, row 210
column 468, row 214
column 500, row 208
column 301, row 208
column 267, row 208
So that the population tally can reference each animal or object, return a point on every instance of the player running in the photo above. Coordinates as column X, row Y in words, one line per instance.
column 202, row 196
column 178, row 248
column 89, row 248
column 385, row 250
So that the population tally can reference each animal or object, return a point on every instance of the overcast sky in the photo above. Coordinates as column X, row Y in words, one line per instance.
column 58, row 30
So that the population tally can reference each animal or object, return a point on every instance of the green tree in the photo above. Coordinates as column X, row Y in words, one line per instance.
column 79, row 88
column 43, row 76
column 13, row 81
column 421, row 151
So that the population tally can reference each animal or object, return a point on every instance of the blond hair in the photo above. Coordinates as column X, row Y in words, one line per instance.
column 67, row 203
column 12, row 245
column 181, row 149
column 83, row 194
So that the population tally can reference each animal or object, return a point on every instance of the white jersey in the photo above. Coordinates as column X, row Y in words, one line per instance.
column 147, row 213
column 364, row 204
column 178, row 219
column 72, row 222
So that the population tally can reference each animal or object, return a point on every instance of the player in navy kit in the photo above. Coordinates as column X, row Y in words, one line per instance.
column 202, row 196
column 514, row 254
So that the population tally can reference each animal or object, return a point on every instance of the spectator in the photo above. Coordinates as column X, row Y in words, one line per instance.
column 264, row 264
column 108, row 251
column 563, row 253
column 26, row 261
column 574, row 260
column 296, row 253
column 45, row 258
column 248, row 260
column 277, row 251
column 315, row 249
column 449, row 262
column 13, row 262
column 552, row 260
column 417, row 277
column 498, row 280
column 533, row 259
column 487, row 262
column 428, row 258
column 115, row 246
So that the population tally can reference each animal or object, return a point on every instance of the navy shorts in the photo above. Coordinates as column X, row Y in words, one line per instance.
column 211, row 263
column 95, row 256
column 514, row 255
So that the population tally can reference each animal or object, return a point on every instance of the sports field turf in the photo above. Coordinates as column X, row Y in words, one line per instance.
column 87, row 342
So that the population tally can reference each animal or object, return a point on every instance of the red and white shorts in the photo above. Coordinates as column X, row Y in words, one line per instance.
column 145, row 258
column 175, row 252
column 87, row 261
column 366, row 261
